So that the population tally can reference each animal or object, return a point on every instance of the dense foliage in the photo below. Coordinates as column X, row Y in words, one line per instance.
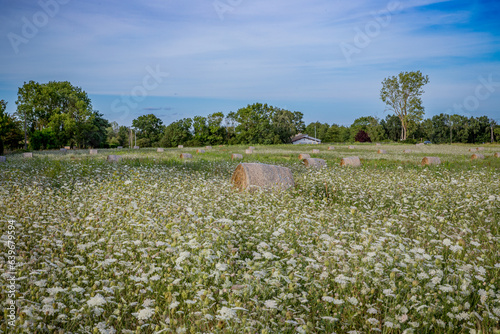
column 58, row 114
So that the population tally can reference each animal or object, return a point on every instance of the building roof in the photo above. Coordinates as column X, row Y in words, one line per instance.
column 304, row 136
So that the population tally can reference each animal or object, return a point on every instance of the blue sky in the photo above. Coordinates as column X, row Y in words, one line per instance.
column 325, row 58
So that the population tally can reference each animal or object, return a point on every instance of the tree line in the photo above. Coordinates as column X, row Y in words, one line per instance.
column 57, row 114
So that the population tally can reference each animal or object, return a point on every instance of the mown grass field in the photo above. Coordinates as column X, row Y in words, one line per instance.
column 153, row 244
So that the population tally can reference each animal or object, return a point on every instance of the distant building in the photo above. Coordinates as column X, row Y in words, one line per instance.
column 305, row 139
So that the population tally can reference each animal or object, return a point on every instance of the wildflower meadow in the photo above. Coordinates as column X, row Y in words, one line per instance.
column 156, row 244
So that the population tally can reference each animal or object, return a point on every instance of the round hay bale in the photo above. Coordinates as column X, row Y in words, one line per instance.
column 249, row 151
column 303, row 156
column 208, row 147
column 382, row 152
column 431, row 161
column 314, row 163
column 350, row 147
column 67, row 147
column 114, row 158
column 497, row 155
column 472, row 149
column 200, row 151
column 331, row 148
column 180, row 146
column 94, row 151
column 186, row 156
column 406, row 151
column 251, row 148
column 28, row 155
column 480, row 149
column 3, row 158
column 136, row 147
column 315, row 150
column 252, row 176
column 160, row 149
column 350, row 161
column 477, row 156
column 236, row 156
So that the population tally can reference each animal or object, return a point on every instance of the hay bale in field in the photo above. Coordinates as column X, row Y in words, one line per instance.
column 28, row 155
column 314, row 163
column 114, row 158
column 208, row 147
column 67, row 147
column 303, row 156
column 315, row 150
column 251, row 148
column 406, row 151
column 497, row 155
column 477, row 156
column 94, row 151
column 200, row 150
column 160, row 149
column 186, row 156
column 350, row 161
column 136, row 147
column 382, row 152
column 3, row 158
column 249, row 151
column 251, row 176
column 480, row 148
column 472, row 149
column 431, row 161
column 236, row 156
column 350, row 147
column 180, row 146
column 119, row 147
column 331, row 148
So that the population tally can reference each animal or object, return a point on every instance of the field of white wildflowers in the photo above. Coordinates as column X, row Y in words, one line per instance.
column 156, row 245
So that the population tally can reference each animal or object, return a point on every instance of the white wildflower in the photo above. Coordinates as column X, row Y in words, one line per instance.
column 97, row 300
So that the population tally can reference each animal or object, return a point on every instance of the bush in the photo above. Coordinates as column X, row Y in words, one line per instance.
column 362, row 137
column 43, row 139
column 409, row 141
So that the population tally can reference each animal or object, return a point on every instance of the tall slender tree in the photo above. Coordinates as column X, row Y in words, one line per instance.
column 402, row 94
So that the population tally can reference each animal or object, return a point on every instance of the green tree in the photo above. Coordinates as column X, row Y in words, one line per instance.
column 201, row 130
column 123, row 136
column 216, row 130
column 317, row 130
column 177, row 133
column 26, row 106
column 148, row 127
column 392, row 127
column 402, row 96
column 10, row 129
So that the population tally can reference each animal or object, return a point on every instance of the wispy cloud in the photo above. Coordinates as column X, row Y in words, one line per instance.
column 261, row 51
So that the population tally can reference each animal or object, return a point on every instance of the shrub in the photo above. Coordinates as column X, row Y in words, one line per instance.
column 362, row 137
